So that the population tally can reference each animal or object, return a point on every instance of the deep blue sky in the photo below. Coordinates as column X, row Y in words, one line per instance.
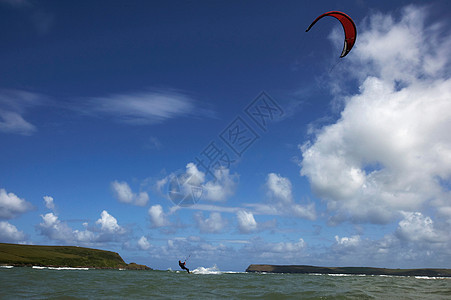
column 102, row 102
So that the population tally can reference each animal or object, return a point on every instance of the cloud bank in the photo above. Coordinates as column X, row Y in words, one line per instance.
column 390, row 150
column 108, row 230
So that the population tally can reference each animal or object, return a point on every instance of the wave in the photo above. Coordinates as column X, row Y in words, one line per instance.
column 203, row 270
column 346, row 275
column 427, row 277
column 379, row 275
column 59, row 268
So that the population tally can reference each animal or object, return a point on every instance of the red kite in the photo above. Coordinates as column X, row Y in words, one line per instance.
column 348, row 26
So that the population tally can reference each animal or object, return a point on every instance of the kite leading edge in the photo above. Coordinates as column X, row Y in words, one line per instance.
column 348, row 26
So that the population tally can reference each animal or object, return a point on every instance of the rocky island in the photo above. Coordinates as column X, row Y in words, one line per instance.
column 63, row 256
column 348, row 270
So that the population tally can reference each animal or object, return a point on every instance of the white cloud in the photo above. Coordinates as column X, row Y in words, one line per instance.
column 54, row 229
column 279, row 191
column 49, row 202
column 279, row 187
column 188, row 187
column 276, row 253
column 124, row 194
column 157, row 216
column 146, row 107
column 209, row 207
column 352, row 241
column 143, row 243
column 416, row 242
column 246, row 221
column 13, row 106
column 11, row 205
column 193, row 175
column 85, row 236
column 12, row 122
column 221, row 188
column 288, row 247
column 214, row 224
column 10, row 234
column 390, row 151
column 417, row 228
column 109, row 224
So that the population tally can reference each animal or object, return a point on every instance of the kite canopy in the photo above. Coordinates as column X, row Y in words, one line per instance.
column 348, row 26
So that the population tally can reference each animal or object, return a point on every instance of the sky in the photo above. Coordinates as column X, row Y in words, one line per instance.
column 222, row 133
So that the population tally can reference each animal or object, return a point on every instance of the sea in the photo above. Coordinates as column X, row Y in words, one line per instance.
column 210, row 283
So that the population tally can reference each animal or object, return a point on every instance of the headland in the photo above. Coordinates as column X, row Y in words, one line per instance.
column 305, row 269
column 63, row 256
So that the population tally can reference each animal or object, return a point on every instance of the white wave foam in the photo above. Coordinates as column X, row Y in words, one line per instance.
column 59, row 268
column 233, row 272
column 67, row 268
column 430, row 277
column 202, row 270
column 345, row 275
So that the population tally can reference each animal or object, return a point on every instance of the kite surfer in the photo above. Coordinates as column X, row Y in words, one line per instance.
column 182, row 265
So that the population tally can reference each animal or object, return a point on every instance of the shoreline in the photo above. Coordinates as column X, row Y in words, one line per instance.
column 56, row 267
column 63, row 257
column 305, row 269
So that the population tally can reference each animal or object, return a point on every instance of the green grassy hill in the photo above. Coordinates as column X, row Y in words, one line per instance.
column 62, row 256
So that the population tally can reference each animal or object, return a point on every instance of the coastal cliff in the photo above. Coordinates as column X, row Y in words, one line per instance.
column 348, row 270
column 63, row 256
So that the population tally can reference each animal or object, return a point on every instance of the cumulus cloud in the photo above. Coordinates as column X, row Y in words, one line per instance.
column 390, row 150
column 352, row 241
column 124, row 194
column 214, row 224
column 54, row 229
column 222, row 187
column 286, row 252
column 10, row 234
column 246, row 221
column 416, row 242
column 157, row 216
column 416, row 227
column 143, row 243
column 108, row 223
column 279, row 192
column 49, row 202
column 11, row 205
column 188, row 187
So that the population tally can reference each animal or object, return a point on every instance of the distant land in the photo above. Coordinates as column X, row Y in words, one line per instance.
column 349, row 270
column 63, row 256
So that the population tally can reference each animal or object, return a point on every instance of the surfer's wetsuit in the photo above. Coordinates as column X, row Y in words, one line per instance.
column 182, row 265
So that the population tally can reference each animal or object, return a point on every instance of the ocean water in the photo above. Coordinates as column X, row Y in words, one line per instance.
column 210, row 283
